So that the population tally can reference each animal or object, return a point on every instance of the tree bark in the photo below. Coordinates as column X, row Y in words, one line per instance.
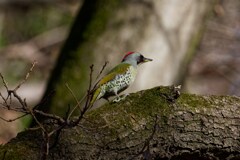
column 150, row 124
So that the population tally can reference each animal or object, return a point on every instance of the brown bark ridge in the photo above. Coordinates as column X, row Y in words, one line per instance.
column 149, row 124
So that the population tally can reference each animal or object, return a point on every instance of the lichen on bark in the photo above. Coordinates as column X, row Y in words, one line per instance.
column 150, row 124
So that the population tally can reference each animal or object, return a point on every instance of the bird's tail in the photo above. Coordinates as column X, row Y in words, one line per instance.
column 95, row 96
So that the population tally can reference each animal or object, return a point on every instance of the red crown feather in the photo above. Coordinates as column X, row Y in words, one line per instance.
column 128, row 53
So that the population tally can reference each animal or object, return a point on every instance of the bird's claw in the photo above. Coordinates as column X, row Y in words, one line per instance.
column 125, row 95
column 118, row 99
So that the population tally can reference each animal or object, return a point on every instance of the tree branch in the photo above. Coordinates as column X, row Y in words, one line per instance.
column 189, row 126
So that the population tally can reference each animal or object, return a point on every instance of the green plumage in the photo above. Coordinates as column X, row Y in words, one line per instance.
column 119, row 69
column 119, row 78
column 112, row 80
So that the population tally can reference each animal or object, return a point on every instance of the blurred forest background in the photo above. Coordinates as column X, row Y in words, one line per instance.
column 209, row 63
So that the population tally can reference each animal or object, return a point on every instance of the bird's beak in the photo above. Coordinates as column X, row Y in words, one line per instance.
column 146, row 60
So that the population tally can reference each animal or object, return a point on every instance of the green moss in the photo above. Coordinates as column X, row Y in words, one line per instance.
column 149, row 99
column 139, row 110
column 198, row 102
column 142, row 108
column 193, row 101
column 15, row 152
column 129, row 112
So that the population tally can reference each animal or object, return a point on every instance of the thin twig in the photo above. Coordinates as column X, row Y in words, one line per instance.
column 89, row 89
column 78, row 104
column 28, row 111
column 33, row 128
column 99, row 74
column 14, row 119
column 27, row 75
column 86, row 106
column 103, row 67
column 3, row 106
column 36, row 120
column 58, row 132
column 7, row 89
column 57, row 129
column 5, row 101
column 45, row 147
column 57, row 120
column 4, row 82
column 51, row 116
column 20, row 100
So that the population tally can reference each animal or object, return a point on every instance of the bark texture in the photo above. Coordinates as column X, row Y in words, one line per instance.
column 150, row 124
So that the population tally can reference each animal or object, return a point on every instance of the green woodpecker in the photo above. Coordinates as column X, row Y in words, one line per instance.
column 119, row 78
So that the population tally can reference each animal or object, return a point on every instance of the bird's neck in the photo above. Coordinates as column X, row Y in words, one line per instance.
column 132, row 63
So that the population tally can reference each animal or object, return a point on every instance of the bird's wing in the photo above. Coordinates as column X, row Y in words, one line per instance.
column 95, row 96
column 119, row 69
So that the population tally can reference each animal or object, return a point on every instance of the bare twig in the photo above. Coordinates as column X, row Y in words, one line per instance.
column 29, row 111
column 50, row 116
column 33, row 128
column 4, row 82
column 3, row 98
column 14, row 119
column 20, row 100
column 45, row 147
column 87, row 103
column 101, row 71
column 8, row 96
column 36, row 120
column 89, row 88
column 26, row 77
column 78, row 102
column 59, row 122
column 97, row 81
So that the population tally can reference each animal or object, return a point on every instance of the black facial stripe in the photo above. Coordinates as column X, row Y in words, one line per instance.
column 140, row 59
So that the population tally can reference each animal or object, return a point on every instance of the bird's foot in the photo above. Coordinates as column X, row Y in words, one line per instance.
column 118, row 99
column 125, row 95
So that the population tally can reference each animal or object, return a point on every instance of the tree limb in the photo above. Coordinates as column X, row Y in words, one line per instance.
column 150, row 124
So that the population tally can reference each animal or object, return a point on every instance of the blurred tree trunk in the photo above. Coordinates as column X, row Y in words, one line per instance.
column 104, row 28
column 72, row 66
column 150, row 124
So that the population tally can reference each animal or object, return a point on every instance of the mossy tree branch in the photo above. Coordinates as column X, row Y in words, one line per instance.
column 148, row 124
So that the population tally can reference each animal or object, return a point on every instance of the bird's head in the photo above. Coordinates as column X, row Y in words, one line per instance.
column 135, row 57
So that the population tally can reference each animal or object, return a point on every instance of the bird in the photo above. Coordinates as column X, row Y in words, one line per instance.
column 119, row 78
